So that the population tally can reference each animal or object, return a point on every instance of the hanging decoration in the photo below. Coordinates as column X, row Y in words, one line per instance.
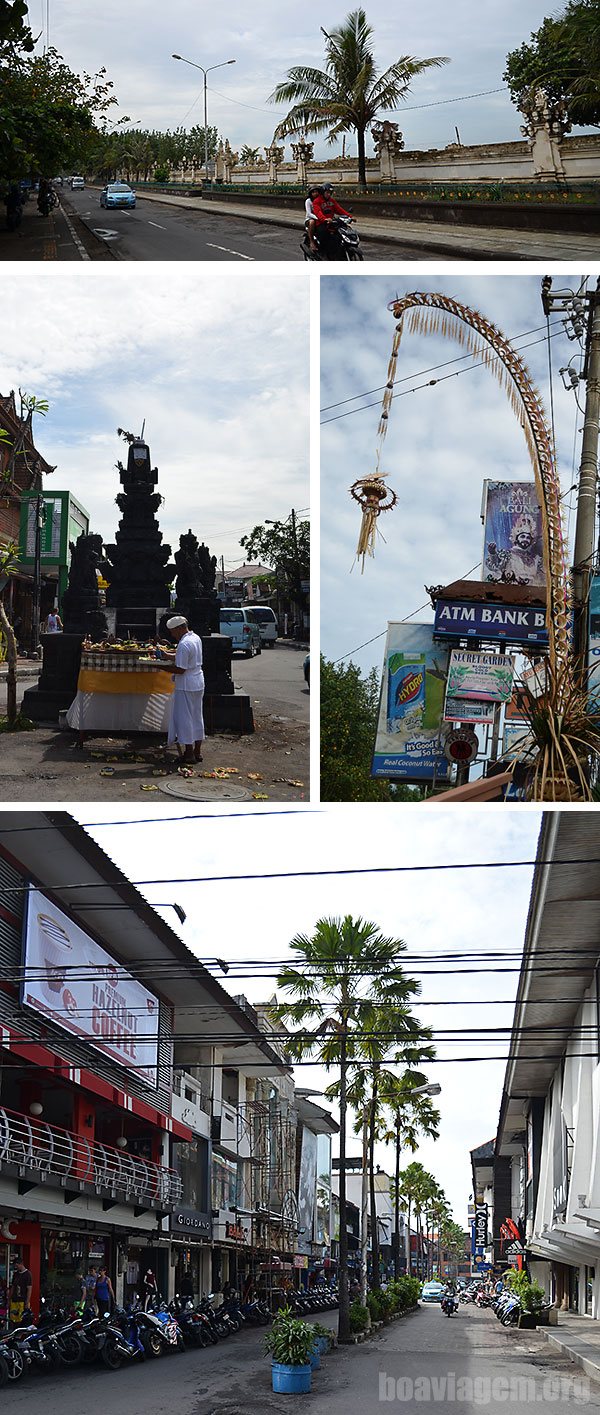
column 371, row 491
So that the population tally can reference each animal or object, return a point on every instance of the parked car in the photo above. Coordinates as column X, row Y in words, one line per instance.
column 77, row 184
column 267, row 624
column 117, row 194
column 243, row 630
column 432, row 1291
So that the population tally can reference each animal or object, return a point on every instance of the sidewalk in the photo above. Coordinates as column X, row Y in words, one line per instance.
column 471, row 242
column 577, row 1338
column 59, row 236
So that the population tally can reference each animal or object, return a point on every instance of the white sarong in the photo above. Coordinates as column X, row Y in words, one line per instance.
column 186, row 724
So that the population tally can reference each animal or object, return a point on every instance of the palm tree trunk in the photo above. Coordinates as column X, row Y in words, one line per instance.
column 362, row 164
column 375, row 1274
column 11, row 666
column 397, row 1203
column 344, row 1308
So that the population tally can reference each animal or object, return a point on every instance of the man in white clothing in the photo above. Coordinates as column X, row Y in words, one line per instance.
column 186, row 726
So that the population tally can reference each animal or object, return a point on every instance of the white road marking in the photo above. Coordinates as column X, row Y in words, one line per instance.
column 228, row 251
column 155, row 223
column 73, row 234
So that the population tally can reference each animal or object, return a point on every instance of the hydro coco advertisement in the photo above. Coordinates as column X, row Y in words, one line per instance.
column 407, row 743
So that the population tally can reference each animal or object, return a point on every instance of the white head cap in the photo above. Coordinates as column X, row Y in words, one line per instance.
column 176, row 622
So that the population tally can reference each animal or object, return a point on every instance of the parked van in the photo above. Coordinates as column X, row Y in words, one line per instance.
column 243, row 630
column 267, row 624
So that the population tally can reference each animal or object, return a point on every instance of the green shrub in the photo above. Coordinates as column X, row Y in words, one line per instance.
column 359, row 1316
column 161, row 174
column 404, row 1293
column 375, row 1306
column 530, row 1294
column 290, row 1340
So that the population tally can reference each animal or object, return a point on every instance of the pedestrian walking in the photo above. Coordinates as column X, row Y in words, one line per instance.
column 88, row 1288
column 105, row 1297
column 20, row 1292
column 54, row 623
column 186, row 726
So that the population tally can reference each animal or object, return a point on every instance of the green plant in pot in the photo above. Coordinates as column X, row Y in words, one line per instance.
column 323, row 1336
column 291, row 1343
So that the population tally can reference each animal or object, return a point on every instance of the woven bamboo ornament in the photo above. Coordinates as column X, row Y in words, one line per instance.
column 431, row 313
column 371, row 492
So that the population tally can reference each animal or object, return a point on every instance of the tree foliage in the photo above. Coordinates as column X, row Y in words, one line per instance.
column 136, row 153
column 47, row 114
column 562, row 58
column 350, row 92
column 15, row 32
column 349, row 710
column 285, row 547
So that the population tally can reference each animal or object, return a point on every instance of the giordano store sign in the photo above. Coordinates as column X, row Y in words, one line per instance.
column 190, row 1221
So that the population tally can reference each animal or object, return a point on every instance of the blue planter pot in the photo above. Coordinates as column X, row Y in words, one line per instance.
column 315, row 1357
column 323, row 1345
column 291, row 1380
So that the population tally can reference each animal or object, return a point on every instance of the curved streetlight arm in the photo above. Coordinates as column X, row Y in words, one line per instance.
column 193, row 65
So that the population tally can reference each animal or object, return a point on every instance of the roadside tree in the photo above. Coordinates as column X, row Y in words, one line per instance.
column 562, row 58
column 350, row 92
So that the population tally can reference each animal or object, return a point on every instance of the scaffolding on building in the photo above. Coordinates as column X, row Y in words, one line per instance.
column 267, row 1200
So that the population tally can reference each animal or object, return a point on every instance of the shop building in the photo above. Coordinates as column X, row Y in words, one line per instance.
column 483, row 1238
column 314, row 1132
column 22, row 468
column 549, row 1129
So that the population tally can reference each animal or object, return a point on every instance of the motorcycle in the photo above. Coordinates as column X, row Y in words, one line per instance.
column 159, row 1329
column 339, row 242
column 449, row 1304
column 123, row 1341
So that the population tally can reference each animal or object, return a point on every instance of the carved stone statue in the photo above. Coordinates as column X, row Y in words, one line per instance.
column 196, row 596
column 546, row 124
column 302, row 153
column 274, row 155
column 81, row 613
column 389, row 144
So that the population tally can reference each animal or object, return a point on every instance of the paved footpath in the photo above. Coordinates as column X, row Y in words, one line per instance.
column 382, row 1373
column 59, row 236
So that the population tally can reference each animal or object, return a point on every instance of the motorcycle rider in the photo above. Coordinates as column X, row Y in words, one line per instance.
column 325, row 207
column 44, row 200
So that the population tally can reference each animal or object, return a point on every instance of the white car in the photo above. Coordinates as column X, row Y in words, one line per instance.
column 77, row 184
column 267, row 624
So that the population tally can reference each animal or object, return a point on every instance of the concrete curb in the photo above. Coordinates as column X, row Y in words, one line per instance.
column 587, row 1364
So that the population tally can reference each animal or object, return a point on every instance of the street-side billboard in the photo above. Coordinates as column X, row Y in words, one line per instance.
column 486, row 677
column 516, row 739
column 407, row 743
column 514, row 624
column 69, row 979
column 468, row 710
column 481, row 1226
column 512, row 534
column 594, row 648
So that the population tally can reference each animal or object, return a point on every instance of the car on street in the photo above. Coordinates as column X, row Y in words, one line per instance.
column 117, row 194
column 242, row 628
column 77, row 184
column 267, row 624
column 432, row 1291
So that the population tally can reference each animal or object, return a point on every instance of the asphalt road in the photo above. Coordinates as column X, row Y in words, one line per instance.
column 508, row 1371
column 153, row 231
column 275, row 681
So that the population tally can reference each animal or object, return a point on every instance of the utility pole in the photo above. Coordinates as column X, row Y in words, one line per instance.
column 584, row 552
column 40, row 521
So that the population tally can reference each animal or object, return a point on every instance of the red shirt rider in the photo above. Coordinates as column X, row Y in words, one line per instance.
column 326, row 206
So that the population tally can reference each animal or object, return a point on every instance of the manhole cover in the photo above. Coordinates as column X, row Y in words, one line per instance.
column 197, row 790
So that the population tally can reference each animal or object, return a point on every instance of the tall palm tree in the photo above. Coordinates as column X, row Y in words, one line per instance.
column 411, row 1116
column 348, row 94
column 343, row 966
column 417, row 1187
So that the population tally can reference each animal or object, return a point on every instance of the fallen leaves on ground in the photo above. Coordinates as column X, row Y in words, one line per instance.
column 259, row 796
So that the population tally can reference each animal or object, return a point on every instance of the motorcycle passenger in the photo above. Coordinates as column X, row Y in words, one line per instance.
column 311, row 219
column 325, row 208
column 44, row 200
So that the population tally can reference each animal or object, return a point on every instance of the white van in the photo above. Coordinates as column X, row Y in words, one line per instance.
column 267, row 624
column 242, row 628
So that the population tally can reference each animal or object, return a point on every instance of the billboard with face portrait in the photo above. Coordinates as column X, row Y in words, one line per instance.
column 512, row 534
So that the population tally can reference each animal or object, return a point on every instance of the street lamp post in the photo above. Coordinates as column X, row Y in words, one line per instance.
column 204, row 72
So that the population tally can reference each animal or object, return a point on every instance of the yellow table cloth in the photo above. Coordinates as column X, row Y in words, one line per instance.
column 117, row 693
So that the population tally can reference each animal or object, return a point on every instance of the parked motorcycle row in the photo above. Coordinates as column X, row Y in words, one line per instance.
column 131, row 1333
column 320, row 1299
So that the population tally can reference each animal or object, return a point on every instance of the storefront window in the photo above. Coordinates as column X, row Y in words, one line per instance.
column 191, row 1162
column 224, row 1183
column 66, row 1258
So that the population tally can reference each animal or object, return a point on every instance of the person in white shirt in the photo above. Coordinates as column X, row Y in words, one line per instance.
column 310, row 217
column 186, row 726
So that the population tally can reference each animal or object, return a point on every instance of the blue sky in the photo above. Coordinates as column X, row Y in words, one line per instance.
column 442, row 442
column 226, row 407
column 135, row 43
column 436, row 912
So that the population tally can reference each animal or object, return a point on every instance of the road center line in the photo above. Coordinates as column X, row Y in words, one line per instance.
column 229, row 251
column 155, row 223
